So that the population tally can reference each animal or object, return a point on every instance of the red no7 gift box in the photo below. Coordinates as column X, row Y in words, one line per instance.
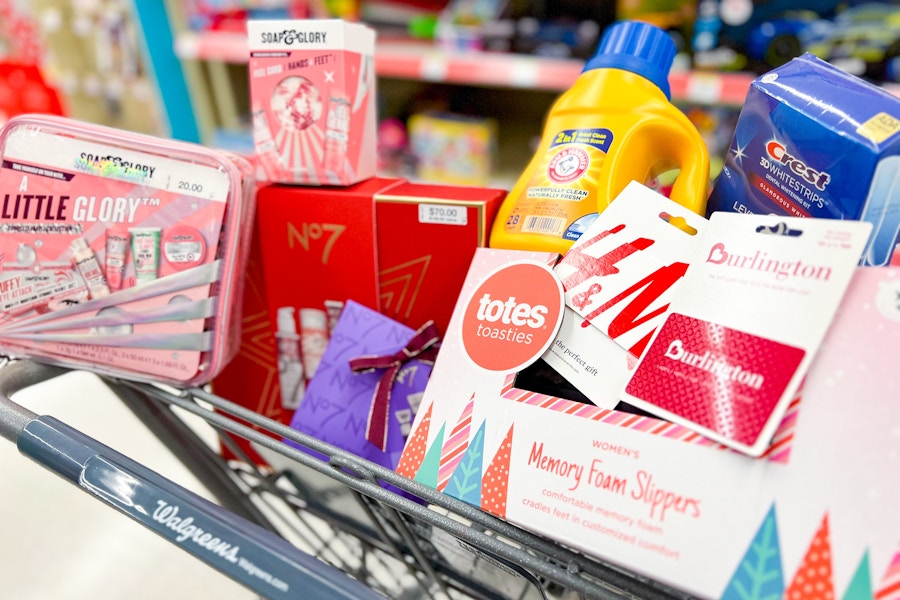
column 400, row 248
column 397, row 247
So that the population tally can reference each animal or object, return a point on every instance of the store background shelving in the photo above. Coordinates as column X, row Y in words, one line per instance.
column 112, row 61
column 192, row 84
column 485, row 83
column 417, row 60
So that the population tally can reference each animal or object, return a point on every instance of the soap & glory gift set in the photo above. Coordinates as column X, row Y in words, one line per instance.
column 121, row 253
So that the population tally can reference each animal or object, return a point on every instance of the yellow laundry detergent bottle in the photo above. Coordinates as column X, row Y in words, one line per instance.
column 614, row 125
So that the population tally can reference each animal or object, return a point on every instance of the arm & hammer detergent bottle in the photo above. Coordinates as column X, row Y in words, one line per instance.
column 614, row 125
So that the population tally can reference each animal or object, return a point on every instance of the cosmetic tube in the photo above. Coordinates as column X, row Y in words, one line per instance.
column 290, row 367
column 145, row 253
column 116, row 252
column 86, row 262
column 314, row 338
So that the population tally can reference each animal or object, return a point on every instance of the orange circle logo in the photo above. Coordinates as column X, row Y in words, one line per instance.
column 513, row 316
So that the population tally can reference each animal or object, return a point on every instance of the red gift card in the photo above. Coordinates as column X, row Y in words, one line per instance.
column 744, row 324
column 724, row 380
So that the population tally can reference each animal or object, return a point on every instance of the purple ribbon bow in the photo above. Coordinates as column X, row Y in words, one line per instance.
column 423, row 346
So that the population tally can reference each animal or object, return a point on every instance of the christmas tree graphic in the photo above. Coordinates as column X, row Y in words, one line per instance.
column 496, row 478
column 759, row 575
column 414, row 453
column 813, row 580
column 465, row 483
column 860, row 587
column 428, row 470
column 455, row 445
column 889, row 589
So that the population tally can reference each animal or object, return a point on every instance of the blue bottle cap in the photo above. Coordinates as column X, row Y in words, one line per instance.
column 638, row 47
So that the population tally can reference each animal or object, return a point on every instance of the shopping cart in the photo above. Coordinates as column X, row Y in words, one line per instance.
column 320, row 524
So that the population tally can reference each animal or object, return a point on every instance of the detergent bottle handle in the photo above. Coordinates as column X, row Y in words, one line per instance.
column 663, row 140
column 691, row 187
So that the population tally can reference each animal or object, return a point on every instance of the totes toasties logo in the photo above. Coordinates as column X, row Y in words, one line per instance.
column 760, row 260
column 513, row 316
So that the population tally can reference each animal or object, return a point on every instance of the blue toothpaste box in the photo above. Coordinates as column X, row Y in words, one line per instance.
column 814, row 141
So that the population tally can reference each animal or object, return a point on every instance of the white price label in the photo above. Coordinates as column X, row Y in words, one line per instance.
column 704, row 88
column 443, row 214
column 433, row 67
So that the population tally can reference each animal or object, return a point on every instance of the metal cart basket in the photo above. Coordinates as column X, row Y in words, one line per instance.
column 325, row 524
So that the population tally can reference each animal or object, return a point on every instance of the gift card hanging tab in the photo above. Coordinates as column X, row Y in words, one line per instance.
column 618, row 280
column 745, row 323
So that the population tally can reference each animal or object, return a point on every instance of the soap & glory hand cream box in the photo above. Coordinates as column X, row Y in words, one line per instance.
column 815, row 516
column 312, row 94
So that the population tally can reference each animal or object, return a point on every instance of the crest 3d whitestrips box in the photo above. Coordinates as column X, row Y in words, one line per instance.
column 814, row 141
column 312, row 89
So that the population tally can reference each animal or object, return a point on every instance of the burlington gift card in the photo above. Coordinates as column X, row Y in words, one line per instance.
column 745, row 323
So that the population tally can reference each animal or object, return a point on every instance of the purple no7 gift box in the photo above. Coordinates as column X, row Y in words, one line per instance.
column 338, row 401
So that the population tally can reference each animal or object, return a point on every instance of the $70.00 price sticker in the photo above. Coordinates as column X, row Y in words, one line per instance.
column 443, row 214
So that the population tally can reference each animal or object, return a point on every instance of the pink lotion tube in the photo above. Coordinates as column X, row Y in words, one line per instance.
column 86, row 262
column 116, row 252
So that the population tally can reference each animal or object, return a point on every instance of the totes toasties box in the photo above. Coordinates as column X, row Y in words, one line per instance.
column 814, row 141
column 312, row 92
column 814, row 517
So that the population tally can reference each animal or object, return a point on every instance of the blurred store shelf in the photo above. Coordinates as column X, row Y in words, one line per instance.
column 422, row 61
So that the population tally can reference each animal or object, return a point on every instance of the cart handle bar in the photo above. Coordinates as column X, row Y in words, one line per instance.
column 241, row 550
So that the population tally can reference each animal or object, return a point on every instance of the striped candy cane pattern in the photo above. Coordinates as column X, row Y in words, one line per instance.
column 455, row 445
column 778, row 452
column 890, row 583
